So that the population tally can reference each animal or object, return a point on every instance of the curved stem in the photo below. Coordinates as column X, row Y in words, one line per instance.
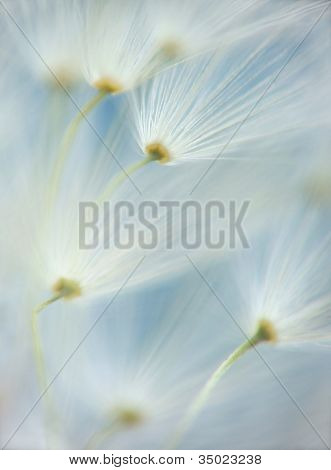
column 40, row 361
column 205, row 392
column 39, row 357
column 68, row 139
column 116, row 182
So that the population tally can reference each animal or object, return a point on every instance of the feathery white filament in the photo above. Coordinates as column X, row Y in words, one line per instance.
column 199, row 107
column 286, row 279
column 119, row 47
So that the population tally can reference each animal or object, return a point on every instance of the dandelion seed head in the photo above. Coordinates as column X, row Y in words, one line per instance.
column 171, row 48
column 210, row 106
column 128, row 415
column 54, row 32
column 283, row 283
column 64, row 76
column 118, row 45
column 266, row 331
column 57, row 262
column 108, row 85
column 148, row 373
column 190, row 26
column 67, row 288
column 158, row 152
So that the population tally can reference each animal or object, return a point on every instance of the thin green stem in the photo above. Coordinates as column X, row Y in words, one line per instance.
column 122, row 176
column 211, row 383
column 40, row 361
column 68, row 139
column 38, row 351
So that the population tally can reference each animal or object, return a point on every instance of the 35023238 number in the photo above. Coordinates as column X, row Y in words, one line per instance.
column 229, row 459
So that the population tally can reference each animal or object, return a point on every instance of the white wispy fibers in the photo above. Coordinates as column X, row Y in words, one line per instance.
column 132, row 350
column 118, row 51
column 50, row 248
column 149, row 365
column 289, row 279
column 42, row 264
column 51, row 228
column 119, row 47
column 118, row 44
column 268, row 399
column 126, row 42
column 130, row 381
column 47, row 39
column 258, row 88
column 186, row 27
column 59, row 270
column 280, row 293
column 18, row 388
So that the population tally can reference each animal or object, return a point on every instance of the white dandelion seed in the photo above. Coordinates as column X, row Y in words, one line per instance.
column 118, row 44
column 50, row 254
column 149, row 363
column 54, row 55
column 51, row 231
column 290, row 280
column 118, row 52
column 215, row 102
column 193, row 110
column 187, row 27
column 130, row 381
column 282, row 294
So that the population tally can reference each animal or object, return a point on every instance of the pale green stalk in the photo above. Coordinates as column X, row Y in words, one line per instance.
column 116, row 182
column 50, row 415
column 265, row 332
column 38, row 352
column 68, row 139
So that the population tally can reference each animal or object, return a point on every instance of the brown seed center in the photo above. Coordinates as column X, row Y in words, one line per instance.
column 108, row 85
column 158, row 152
